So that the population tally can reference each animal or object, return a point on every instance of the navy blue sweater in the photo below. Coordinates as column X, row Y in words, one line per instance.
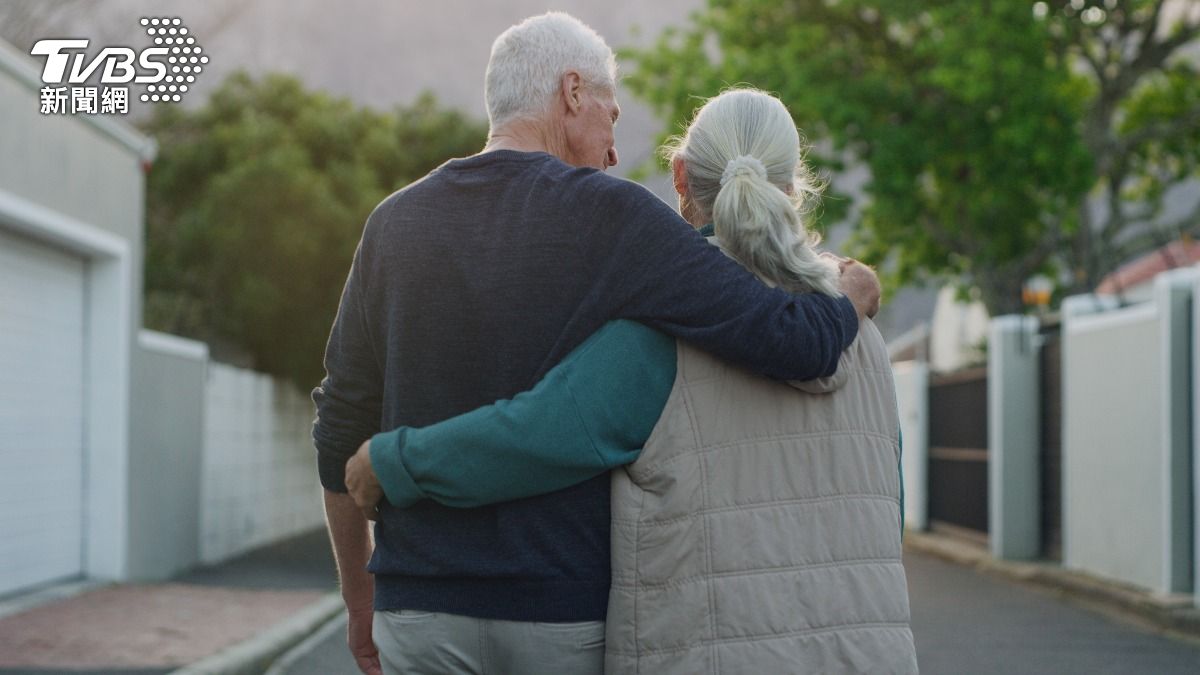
column 466, row 288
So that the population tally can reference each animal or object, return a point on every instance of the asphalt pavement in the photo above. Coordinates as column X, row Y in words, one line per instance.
column 967, row 622
column 964, row 622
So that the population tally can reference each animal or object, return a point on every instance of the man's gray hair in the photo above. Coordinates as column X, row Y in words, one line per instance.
column 747, row 176
column 529, row 59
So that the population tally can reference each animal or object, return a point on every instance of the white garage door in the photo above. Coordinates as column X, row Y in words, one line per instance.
column 41, row 412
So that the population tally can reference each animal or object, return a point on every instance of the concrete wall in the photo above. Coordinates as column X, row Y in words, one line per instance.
column 1126, row 439
column 1014, row 438
column 221, row 460
column 1195, row 386
column 166, row 439
column 259, row 478
column 912, row 398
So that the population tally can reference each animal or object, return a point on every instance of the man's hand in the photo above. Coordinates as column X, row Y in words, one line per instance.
column 363, row 484
column 352, row 549
column 860, row 284
column 358, row 637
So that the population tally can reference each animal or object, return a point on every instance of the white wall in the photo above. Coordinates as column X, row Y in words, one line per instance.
column 957, row 332
column 76, row 184
column 1014, row 438
column 1195, row 386
column 258, row 476
column 912, row 398
column 1126, row 509
column 165, row 440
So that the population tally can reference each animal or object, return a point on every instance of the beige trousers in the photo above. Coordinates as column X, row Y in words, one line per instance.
column 432, row 643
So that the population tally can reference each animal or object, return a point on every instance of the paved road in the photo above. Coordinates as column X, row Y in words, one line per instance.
column 964, row 623
column 303, row 562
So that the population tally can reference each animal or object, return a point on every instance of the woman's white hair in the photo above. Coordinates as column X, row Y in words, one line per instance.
column 529, row 59
column 746, row 175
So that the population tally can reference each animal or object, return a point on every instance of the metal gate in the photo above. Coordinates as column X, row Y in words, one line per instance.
column 1051, row 434
column 958, row 456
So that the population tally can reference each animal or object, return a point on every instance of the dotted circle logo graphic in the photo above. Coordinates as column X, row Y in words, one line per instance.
column 185, row 59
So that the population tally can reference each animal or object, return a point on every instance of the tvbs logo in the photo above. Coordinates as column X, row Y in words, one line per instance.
column 167, row 70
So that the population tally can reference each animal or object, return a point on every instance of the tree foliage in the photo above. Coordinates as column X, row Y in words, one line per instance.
column 1003, row 138
column 257, row 201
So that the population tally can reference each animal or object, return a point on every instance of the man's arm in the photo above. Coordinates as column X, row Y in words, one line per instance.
column 348, row 405
column 590, row 413
column 348, row 531
column 349, row 399
column 650, row 266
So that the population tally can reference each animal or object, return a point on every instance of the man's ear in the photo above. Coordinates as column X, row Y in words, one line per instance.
column 571, row 91
column 679, row 174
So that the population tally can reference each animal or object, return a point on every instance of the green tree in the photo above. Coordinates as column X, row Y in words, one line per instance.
column 256, row 203
column 992, row 129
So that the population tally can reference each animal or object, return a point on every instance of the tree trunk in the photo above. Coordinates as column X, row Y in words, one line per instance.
column 1000, row 293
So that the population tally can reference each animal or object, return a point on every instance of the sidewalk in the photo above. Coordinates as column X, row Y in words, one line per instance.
column 232, row 617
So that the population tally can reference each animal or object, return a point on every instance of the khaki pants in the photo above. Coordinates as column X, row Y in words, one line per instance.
column 432, row 643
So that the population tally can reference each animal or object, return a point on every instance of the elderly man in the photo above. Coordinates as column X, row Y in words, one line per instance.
column 467, row 286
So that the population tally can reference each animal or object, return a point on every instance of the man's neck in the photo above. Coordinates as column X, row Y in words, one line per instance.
column 525, row 136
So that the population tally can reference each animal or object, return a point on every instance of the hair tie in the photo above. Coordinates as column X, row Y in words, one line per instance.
column 746, row 165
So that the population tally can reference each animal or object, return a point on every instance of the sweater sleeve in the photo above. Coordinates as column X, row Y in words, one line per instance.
column 654, row 268
column 349, row 399
column 590, row 413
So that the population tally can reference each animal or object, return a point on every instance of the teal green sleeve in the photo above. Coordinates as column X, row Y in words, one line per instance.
column 592, row 412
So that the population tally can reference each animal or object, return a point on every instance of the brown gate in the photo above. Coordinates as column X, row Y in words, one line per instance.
column 958, row 470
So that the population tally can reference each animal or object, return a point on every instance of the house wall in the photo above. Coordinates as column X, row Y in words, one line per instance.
column 75, row 185
column 87, row 167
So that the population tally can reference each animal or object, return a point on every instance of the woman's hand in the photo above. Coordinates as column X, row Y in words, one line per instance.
column 362, row 483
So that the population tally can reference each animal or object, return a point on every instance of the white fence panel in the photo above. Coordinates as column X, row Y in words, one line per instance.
column 1195, row 387
column 912, row 398
column 1126, row 511
column 165, row 454
column 259, row 482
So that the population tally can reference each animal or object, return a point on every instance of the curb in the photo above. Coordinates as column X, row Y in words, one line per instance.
column 44, row 595
column 1175, row 613
column 254, row 656
column 285, row 663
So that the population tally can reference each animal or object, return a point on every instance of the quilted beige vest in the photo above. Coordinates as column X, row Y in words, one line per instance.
column 759, row 531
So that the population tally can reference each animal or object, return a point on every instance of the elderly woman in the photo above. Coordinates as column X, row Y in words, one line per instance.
column 755, row 525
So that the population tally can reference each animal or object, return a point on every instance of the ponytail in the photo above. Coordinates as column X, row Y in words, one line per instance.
column 759, row 225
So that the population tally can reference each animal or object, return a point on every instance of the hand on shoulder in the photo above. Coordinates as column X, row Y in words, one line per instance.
column 860, row 283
